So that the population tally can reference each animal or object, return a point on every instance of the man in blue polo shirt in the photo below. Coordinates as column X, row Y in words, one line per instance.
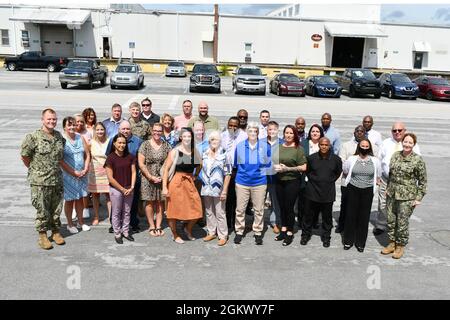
column 112, row 124
column 252, row 160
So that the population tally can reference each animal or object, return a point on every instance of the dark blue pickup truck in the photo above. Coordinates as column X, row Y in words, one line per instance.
column 35, row 60
column 81, row 71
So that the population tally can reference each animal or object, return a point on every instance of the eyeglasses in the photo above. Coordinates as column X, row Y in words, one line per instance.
column 243, row 117
column 146, row 105
column 397, row 130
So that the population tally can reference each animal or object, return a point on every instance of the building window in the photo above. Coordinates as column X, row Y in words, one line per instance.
column 290, row 11
column 297, row 9
column 25, row 39
column 5, row 37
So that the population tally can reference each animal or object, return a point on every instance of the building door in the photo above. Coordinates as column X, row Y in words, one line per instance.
column 372, row 61
column 208, row 49
column 106, row 48
column 57, row 40
column 347, row 52
column 418, row 60
column 248, row 52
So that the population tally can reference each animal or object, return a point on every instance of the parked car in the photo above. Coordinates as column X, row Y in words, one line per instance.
column 433, row 87
column 176, row 68
column 398, row 85
column 322, row 86
column 82, row 71
column 249, row 78
column 204, row 76
column 287, row 83
column 127, row 75
column 35, row 60
column 359, row 81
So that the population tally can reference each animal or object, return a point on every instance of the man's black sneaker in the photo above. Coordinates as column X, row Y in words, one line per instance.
column 238, row 239
column 111, row 230
column 258, row 240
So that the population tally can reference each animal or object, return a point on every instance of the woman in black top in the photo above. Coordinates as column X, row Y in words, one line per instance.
column 183, row 200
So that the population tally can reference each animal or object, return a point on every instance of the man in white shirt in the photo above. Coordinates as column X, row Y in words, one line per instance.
column 264, row 118
column 230, row 138
column 371, row 134
column 388, row 147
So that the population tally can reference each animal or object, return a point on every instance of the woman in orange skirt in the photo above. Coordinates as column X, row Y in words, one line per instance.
column 183, row 200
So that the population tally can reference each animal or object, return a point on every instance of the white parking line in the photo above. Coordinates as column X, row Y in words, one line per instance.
column 174, row 102
column 185, row 88
column 136, row 98
column 9, row 122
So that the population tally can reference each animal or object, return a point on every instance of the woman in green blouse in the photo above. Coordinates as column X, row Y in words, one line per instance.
column 292, row 162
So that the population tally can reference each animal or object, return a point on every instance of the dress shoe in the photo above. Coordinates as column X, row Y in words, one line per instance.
column 360, row 249
column 258, row 240
column 281, row 236
column 304, row 241
column 276, row 229
column 129, row 237
column 238, row 238
column 347, row 246
column 209, row 237
column 222, row 242
column 111, row 230
column 288, row 240
column 119, row 240
column 326, row 244
column 378, row 231
column 338, row 229
column 135, row 229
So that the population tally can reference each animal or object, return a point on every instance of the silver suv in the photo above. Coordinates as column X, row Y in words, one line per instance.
column 249, row 78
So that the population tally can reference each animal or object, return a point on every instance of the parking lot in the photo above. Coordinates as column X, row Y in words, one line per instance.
column 157, row 268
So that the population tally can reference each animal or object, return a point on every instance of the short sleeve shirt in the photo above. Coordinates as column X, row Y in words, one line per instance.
column 121, row 167
column 45, row 153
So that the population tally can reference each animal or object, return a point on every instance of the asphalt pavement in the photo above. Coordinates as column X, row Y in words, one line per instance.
column 92, row 266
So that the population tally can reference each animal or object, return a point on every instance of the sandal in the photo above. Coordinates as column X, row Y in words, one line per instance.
column 153, row 232
column 178, row 240
column 160, row 231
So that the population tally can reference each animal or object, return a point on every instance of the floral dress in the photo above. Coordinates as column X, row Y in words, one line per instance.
column 154, row 159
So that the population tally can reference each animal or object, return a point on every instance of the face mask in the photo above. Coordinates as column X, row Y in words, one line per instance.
column 364, row 152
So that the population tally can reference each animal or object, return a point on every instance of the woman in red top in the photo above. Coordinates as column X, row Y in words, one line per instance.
column 121, row 171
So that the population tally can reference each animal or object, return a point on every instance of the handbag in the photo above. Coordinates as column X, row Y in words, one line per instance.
column 172, row 168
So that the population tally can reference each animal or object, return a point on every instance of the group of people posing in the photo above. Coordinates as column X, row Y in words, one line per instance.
column 188, row 168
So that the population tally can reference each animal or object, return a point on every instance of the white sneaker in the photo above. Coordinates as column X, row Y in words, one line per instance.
column 85, row 227
column 86, row 213
column 72, row 230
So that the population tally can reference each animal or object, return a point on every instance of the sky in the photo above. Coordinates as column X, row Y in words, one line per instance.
column 408, row 13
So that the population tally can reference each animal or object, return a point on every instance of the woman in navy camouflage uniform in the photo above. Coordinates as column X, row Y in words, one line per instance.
column 406, row 187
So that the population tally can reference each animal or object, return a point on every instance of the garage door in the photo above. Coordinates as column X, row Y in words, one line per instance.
column 57, row 40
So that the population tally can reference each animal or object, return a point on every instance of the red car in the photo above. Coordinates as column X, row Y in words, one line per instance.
column 288, row 84
column 433, row 88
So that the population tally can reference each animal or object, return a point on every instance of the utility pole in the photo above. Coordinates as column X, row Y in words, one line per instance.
column 216, row 32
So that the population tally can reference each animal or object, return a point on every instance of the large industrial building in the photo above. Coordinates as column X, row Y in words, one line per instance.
column 340, row 35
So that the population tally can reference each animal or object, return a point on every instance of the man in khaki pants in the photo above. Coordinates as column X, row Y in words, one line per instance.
column 252, row 160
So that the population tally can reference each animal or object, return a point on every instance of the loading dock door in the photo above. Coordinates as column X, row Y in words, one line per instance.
column 57, row 40
column 347, row 52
